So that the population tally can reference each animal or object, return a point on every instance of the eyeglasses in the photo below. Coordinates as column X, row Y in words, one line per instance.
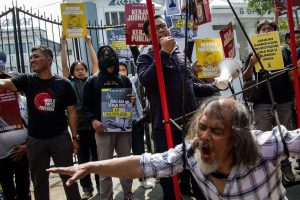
column 160, row 26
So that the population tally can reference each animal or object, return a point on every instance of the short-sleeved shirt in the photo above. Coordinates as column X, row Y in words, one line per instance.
column 47, row 101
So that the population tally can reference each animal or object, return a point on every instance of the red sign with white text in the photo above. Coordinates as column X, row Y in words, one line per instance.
column 135, row 15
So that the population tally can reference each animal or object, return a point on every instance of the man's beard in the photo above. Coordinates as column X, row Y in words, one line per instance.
column 205, row 168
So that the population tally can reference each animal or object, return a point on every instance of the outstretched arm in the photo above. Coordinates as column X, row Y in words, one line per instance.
column 125, row 167
column 88, row 40
column 64, row 58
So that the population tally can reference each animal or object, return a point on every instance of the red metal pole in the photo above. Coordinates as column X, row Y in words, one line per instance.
column 294, row 58
column 162, row 89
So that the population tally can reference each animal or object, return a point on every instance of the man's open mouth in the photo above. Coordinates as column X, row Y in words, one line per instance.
column 206, row 150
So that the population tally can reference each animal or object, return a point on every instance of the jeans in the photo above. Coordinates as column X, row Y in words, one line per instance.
column 18, row 189
column 87, row 152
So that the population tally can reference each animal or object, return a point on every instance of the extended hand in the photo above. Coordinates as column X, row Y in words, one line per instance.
column 76, row 172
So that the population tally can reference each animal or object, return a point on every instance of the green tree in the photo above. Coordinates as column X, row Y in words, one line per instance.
column 261, row 6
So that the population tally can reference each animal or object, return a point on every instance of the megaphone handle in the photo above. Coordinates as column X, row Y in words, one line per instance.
column 232, row 90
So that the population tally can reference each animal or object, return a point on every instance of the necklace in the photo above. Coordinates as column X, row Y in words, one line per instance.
column 219, row 175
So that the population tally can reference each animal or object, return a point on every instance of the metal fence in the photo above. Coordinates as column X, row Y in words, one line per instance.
column 21, row 29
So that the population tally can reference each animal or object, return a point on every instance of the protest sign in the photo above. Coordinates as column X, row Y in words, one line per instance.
column 10, row 117
column 201, row 11
column 208, row 54
column 227, row 37
column 73, row 20
column 135, row 15
column 116, row 109
column 282, row 5
column 178, row 27
column 267, row 46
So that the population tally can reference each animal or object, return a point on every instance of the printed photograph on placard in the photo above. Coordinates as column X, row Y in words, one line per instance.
column 116, row 110
column 178, row 27
column 208, row 54
column 10, row 117
column 73, row 19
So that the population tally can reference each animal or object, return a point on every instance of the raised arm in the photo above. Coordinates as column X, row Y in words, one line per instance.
column 249, row 67
column 64, row 57
column 88, row 40
column 8, row 85
column 126, row 167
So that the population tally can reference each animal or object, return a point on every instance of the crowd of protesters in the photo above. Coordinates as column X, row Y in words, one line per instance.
column 62, row 116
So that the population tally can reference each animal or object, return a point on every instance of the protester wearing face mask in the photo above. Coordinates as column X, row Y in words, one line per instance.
column 107, row 143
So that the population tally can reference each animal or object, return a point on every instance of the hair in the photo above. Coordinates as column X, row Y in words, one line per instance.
column 72, row 68
column 146, row 24
column 245, row 148
column 288, row 35
column 46, row 51
column 266, row 22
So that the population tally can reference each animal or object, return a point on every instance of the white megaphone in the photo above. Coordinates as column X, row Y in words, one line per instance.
column 230, row 69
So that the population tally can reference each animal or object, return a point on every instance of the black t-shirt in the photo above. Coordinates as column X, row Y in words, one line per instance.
column 47, row 101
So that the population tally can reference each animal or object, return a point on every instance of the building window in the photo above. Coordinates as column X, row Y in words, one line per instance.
column 107, row 18
column 121, row 17
column 114, row 18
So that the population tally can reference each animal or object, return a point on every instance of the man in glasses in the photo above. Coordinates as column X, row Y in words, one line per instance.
column 172, row 60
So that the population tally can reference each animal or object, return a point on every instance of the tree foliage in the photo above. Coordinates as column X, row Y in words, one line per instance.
column 261, row 6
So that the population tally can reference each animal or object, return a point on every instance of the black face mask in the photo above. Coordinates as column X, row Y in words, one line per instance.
column 106, row 63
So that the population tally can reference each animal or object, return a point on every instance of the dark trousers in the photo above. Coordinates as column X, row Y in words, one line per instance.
column 59, row 148
column 138, row 146
column 87, row 152
column 186, row 180
column 18, row 189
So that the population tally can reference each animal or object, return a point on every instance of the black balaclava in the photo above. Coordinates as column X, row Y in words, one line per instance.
column 108, row 57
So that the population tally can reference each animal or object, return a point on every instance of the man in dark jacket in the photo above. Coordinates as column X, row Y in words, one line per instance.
column 107, row 143
column 172, row 60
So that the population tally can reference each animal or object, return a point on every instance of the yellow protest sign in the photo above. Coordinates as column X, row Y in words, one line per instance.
column 267, row 46
column 73, row 19
column 208, row 54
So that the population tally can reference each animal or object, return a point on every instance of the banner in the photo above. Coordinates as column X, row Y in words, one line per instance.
column 116, row 109
column 267, row 46
column 10, row 117
column 282, row 5
column 208, row 54
column 135, row 15
column 227, row 37
column 73, row 20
